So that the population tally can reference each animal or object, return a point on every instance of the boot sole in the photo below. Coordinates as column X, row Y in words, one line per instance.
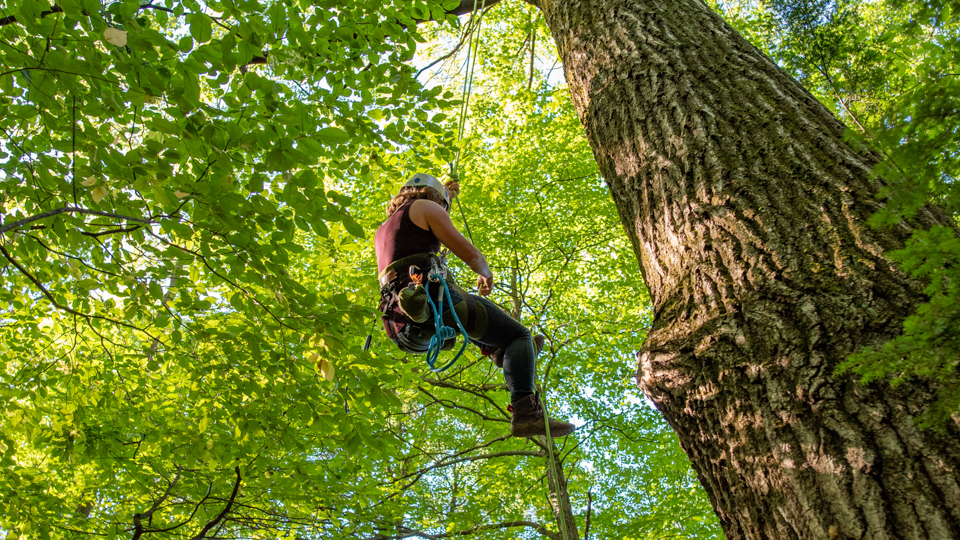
column 557, row 432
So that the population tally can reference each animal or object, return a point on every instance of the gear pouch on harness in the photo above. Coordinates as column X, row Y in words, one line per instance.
column 410, row 336
column 403, row 302
column 412, row 301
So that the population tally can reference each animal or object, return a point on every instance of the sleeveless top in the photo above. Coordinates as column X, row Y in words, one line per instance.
column 399, row 237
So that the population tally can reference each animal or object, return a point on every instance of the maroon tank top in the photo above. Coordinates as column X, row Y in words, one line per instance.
column 400, row 237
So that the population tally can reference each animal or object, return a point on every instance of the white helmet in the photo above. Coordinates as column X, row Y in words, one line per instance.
column 423, row 179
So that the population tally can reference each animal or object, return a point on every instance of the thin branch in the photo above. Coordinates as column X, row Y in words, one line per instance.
column 463, row 39
column 13, row 19
column 70, row 210
column 411, row 533
column 138, row 518
column 453, row 405
column 111, row 231
column 51, row 70
column 445, row 384
column 57, row 9
column 73, row 151
column 454, row 51
column 158, row 8
column 837, row 94
column 466, row 6
column 586, row 528
column 533, row 49
column 62, row 528
column 80, row 260
column 507, row 453
column 227, row 280
column 213, row 523
column 61, row 307
column 189, row 519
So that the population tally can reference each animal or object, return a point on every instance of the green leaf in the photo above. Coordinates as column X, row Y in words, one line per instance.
column 332, row 135
column 200, row 27
column 156, row 291
column 89, row 283
column 352, row 226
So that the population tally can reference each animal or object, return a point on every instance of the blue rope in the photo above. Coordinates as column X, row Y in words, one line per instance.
column 443, row 332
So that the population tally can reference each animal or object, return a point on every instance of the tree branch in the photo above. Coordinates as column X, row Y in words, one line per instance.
column 586, row 529
column 71, row 210
column 57, row 9
column 189, row 519
column 67, row 256
column 411, row 533
column 12, row 18
column 227, row 280
column 444, row 384
column 111, row 231
column 466, row 6
column 213, row 522
column 138, row 518
column 62, row 307
column 453, row 405
column 528, row 453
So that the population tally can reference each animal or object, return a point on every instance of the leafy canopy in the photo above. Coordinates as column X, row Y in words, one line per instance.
column 187, row 191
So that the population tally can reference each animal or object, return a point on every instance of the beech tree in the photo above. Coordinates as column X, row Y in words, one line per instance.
column 748, row 210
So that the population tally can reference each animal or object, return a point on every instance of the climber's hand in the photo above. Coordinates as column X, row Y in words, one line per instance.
column 453, row 188
column 484, row 285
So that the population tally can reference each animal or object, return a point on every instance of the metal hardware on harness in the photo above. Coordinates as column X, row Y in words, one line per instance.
column 443, row 332
column 414, row 273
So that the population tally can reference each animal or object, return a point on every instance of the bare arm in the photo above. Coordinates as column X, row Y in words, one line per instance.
column 430, row 215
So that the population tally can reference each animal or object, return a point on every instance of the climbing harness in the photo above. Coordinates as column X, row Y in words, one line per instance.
column 407, row 305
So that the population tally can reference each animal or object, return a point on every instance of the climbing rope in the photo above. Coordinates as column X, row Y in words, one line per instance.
column 553, row 463
column 473, row 48
column 442, row 332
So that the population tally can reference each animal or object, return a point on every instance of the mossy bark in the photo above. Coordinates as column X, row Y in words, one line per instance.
column 748, row 212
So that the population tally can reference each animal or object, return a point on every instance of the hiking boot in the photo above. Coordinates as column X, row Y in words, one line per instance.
column 528, row 421
column 497, row 354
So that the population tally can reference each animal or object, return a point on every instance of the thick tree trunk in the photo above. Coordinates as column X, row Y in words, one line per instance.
column 748, row 211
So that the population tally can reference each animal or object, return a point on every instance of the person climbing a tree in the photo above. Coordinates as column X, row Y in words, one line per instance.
column 407, row 247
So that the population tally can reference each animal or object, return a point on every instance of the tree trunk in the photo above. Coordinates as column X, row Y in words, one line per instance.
column 559, row 495
column 747, row 211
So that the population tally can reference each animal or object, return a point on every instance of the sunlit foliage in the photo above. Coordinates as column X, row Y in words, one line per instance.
column 188, row 192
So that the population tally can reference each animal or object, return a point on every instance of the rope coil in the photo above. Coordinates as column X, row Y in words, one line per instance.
column 443, row 332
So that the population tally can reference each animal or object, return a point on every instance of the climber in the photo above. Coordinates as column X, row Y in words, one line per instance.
column 407, row 247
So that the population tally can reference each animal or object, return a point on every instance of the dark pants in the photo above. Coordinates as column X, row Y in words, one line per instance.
column 506, row 333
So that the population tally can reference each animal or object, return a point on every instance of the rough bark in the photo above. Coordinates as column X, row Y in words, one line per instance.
column 747, row 211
